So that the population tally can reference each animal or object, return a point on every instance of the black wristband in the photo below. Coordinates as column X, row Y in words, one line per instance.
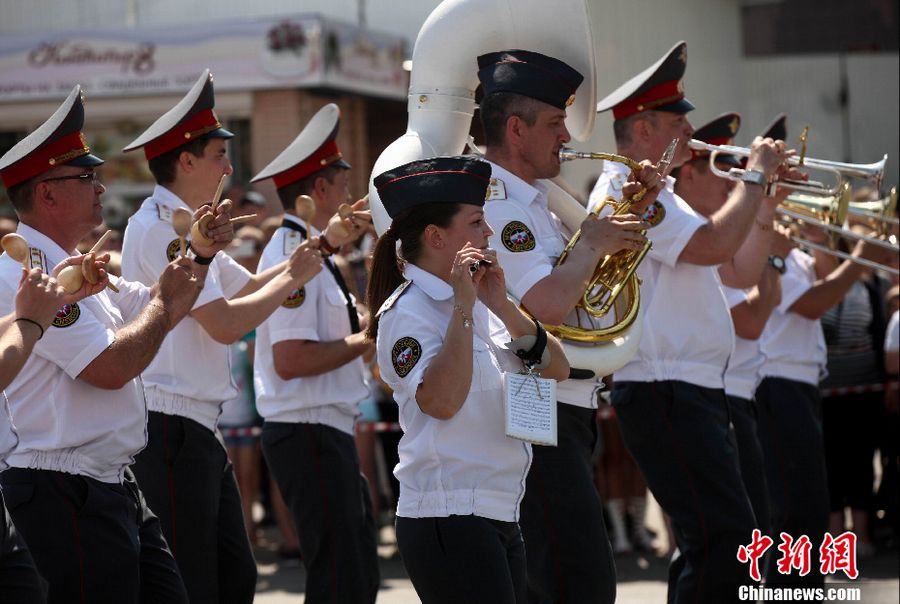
column 33, row 322
column 533, row 357
column 201, row 260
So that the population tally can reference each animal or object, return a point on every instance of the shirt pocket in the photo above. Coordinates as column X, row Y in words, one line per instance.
column 486, row 375
column 337, row 316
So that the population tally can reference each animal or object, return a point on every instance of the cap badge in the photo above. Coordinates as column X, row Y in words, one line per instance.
column 405, row 354
column 570, row 100
column 67, row 315
column 296, row 298
column 517, row 237
column 655, row 213
column 683, row 56
column 733, row 126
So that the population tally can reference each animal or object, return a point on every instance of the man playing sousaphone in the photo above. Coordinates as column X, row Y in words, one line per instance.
column 669, row 399
column 523, row 112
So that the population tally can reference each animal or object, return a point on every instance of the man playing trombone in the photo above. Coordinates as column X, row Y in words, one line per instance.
column 670, row 399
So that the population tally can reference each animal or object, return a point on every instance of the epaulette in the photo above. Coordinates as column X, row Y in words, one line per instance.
column 164, row 212
column 292, row 239
column 496, row 190
column 617, row 181
column 393, row 298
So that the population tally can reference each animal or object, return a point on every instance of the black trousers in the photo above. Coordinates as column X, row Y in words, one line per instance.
column 463, row 559
column 679, row 436
column 744, row 418
column 190, row 484
column 790, row 430
column 20, row 582
column 569, row 556
column 850, row 426
column 317, row 470
column 94, row 542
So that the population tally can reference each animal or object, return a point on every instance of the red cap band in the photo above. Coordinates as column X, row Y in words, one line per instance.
column 52, row 154
column 202, row 122
column 324, row 155
column 662, row 94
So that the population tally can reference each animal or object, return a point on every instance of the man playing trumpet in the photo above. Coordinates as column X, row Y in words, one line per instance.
column 670, row 399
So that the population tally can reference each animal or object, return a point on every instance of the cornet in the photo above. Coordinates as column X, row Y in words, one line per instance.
column 874, row 172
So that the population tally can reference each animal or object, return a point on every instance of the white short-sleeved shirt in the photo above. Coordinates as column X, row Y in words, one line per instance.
column 892, row 336
column 465, row 465
column 190, row 375
column 63, row 423
column 316, row 312
column 742, row 375
column 688, row 334
column 793, row 345
column 518, row 213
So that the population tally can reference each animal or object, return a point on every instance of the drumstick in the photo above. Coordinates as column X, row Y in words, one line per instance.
column 17, row 248
column 219, row 190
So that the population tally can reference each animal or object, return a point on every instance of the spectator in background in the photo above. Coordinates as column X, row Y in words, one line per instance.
column 253, row 202
column 7, row 225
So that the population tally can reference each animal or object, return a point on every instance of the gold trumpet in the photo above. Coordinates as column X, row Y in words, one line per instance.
column 829, row 215
column 615, row 274
column 874, row 172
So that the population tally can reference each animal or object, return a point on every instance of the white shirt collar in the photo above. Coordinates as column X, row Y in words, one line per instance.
column 435, row 287
column 168, row 198
column 54, row 253
column 295, row 220
column 516, row 188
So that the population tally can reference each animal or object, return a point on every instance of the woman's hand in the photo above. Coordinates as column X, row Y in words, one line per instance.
column 490, row 282
column 464, row 286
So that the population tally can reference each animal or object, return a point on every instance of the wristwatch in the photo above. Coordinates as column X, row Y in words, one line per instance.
column 777, row 262
column 755, row 177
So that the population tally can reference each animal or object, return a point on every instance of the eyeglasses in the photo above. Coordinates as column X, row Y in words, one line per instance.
column 88, row 177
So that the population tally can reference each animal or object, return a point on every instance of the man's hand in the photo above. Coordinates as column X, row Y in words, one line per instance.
column 342, row 230
column 782, row 244
column 39, row 297
column 305, row 262
column 215, row 227
column 177, row 289
column 611, row 234
column 649, row 177
column 87, row 288
column 767, row 156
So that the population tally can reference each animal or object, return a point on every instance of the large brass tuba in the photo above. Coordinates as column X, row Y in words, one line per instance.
column 441, row 104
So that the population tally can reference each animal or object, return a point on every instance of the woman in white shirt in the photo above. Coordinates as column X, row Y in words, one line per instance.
column 441, row 342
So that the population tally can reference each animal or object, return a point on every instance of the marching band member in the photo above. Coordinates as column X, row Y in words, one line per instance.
column 750, row 307
column 788, row 398
column 523, row 113
column 310, row 377
column 78, row 403
column 442, row 347
column 184, row 471
column 669, row 398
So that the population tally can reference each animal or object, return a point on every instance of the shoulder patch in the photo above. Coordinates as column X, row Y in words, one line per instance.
column 297, row 297
column 37, row 258
column 517, row 237
column 405, row 354
column 496, row 190
column 173, row 249
column 292, row 239
column 655, row 213
column 393, row 297
column 67, row 315
column 164, row 212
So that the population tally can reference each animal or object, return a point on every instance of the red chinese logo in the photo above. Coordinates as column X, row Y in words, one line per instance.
column 835, row 554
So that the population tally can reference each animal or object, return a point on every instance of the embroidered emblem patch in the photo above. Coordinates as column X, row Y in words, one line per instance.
column 295, row 299
column 655, row 214
column 517, row 237
column 67, row 315
column 173, row 250
column 405, row 354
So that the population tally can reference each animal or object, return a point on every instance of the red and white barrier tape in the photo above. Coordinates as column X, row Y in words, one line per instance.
column 239, row 432
column 860, row 389
column 365, row 427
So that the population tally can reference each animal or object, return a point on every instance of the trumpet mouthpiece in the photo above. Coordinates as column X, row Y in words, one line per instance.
column 568, row 154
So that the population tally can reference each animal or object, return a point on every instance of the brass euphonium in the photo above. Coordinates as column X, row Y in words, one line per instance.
column 615, row 274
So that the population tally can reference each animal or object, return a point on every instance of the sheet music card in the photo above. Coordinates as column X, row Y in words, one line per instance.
column 530, row 406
